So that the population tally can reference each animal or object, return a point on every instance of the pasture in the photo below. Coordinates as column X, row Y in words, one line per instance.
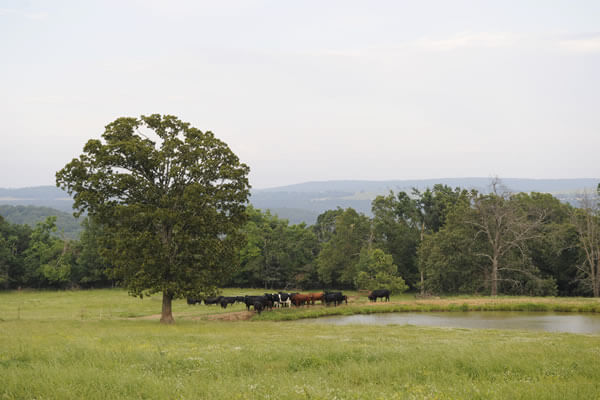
column 103, row 344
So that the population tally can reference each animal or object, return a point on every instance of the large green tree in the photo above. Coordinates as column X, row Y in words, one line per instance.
column 170, row 199
column 48, row 259
column 337, row 263
column 276, row 254
column 403, row 221
column 487, row 243
column 554, row 252
column 396, row 234
column 448, row 256
column 586, row 221
column 90, row 268
column 377, row 271
column 505, row 229
column 14, row 242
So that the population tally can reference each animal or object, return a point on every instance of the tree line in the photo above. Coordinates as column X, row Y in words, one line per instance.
column 439, row 241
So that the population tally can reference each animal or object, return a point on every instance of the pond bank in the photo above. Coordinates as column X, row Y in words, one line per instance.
column 578, row 305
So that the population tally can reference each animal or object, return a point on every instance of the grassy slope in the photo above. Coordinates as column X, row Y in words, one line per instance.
column 81, row 345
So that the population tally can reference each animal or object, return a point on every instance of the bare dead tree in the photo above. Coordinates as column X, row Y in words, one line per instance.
column 586, row 221
column 505, row 228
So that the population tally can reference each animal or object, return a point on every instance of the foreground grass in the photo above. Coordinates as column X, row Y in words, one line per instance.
column 54, row 350
column 243, row 360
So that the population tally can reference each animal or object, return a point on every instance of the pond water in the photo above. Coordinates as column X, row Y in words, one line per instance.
column 536, row 321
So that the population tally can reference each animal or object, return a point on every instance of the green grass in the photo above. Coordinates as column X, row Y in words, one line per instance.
column 54, row 350
column 99, row 304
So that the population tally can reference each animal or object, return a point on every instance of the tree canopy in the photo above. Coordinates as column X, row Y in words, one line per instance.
column 170, row 199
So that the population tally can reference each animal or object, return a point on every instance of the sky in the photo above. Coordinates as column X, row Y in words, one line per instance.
column 311, row 90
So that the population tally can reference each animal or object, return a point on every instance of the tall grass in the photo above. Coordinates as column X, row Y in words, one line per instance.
column 243, row 360
column 74, row 345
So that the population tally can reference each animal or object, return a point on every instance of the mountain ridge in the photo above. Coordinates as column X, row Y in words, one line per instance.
column 303, row 202
column 517, row 184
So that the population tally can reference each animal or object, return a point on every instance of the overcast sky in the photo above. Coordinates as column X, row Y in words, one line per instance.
column 311, row 90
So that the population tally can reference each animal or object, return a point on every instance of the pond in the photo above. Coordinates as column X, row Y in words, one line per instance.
column 536, row 321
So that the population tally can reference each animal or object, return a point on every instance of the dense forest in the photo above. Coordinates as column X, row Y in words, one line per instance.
column 441, row 240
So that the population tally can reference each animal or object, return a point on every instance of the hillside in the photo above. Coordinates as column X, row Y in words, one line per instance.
column 31, row 215
column 316, row 197
column 305, row 201
column 43, row 196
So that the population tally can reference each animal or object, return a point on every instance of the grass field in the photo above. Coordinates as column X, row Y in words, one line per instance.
column 103, row 344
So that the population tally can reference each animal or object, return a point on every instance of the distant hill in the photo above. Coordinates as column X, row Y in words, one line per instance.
column 44, row 196
column 481, row 184
column 317, row 197
column 305, row 201
column 31, row 215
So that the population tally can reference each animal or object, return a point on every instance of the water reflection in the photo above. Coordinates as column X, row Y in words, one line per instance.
column 549, row 322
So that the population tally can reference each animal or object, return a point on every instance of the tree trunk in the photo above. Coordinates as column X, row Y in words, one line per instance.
column 495, row 277
column 596, row 281
column 422, row 275
column 166, row 316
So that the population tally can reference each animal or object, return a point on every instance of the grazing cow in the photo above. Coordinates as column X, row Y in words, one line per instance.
column 316, row 296
column 213, row 300
column 383, row 293
column 249, row 301
column 240, row 299
column 335, row 298
column 300, row 299
column 285, row 299
column 192, row 302
column 252, row 300
column 226, row 300
column 258, row 306
column 274, row 297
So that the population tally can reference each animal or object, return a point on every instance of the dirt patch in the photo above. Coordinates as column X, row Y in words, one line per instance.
column 232, row 316
column 153, row 316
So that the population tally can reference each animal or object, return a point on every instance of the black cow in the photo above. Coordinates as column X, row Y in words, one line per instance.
column 191, row 301
column 258, row 306
column 273, row 297
column 213, row 300
column 383, row 293
column 252, row 300
column 226, row 300
column 335, row 298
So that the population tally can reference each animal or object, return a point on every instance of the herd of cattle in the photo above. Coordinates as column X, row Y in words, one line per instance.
column 281, row 299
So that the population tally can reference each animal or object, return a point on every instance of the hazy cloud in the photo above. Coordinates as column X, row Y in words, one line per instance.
column 27, row 14
column 468, row 40
column 585, row 43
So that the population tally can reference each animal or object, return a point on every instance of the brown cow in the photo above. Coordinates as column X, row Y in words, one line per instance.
column 316, row 296
column 300, row 299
